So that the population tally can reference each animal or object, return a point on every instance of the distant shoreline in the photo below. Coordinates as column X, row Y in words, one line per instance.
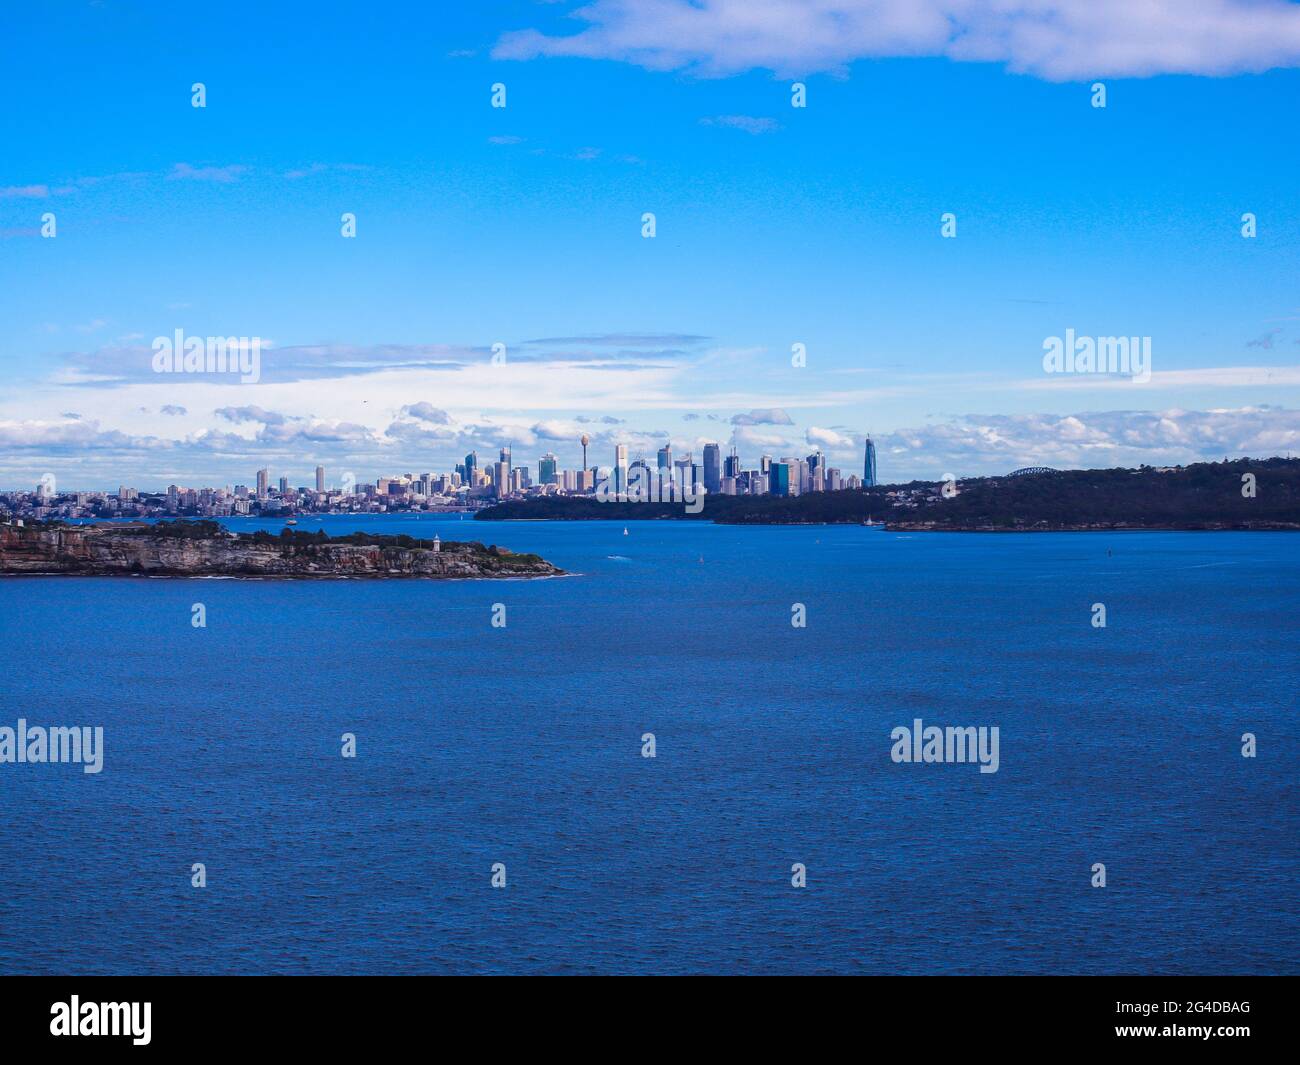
column 906, row 527
column 1256, row 527
column 1245, row 495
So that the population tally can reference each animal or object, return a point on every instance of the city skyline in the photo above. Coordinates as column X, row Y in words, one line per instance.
column 714, row 473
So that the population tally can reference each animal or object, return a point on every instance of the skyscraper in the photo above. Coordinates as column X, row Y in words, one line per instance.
column 666, row 462
column 816, row 472
column 731, row 465
column 620, row 467
column 869, row 466
column 263, row 482
column 546, row 467
column 712, row 468
column 320, row 478
column 638, row 478
column 685, row 473
column 779, row 478
column 471, row 469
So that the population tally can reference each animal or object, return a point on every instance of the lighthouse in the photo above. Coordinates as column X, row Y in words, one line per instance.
column 437, row 542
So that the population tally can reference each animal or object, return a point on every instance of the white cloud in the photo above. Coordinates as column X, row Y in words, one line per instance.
column 747, row 123
column 749, row 440
column 556, row 429
column 771, row 416
column 426, row 412
column 979, row 444
column 317, row 168
column 830, row 439
column 1060, row 40
column 251, row 413
column 221, row 175
column 1205, row 377
column 34, row 192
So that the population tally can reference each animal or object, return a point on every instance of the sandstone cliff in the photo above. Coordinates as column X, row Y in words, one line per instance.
column 190, row 551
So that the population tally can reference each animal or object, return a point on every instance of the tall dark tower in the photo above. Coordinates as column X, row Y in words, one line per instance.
column 731, row 465
column 869, row 466
column 712, row 468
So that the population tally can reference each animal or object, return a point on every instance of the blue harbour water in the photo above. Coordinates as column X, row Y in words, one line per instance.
column 522, row 745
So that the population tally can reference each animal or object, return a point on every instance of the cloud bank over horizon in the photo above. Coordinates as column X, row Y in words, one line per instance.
column 102, row 416
column 85, row 455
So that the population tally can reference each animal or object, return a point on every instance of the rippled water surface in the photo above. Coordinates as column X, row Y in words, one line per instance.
column 522, row 745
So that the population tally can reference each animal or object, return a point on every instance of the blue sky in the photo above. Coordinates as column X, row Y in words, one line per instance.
column 522, row 225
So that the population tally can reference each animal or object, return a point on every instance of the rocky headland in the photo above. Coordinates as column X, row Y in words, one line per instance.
column 206, row 549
